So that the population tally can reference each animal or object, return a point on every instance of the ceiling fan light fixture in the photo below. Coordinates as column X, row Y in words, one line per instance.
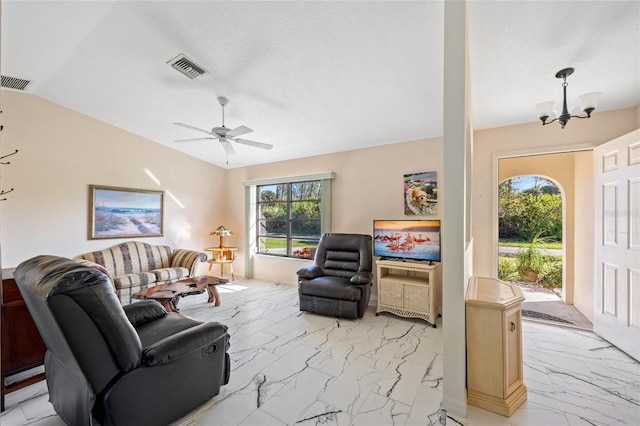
column 588, row 102
column 225, row 135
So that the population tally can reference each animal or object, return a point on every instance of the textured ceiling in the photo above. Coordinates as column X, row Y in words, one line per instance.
column 313, row 77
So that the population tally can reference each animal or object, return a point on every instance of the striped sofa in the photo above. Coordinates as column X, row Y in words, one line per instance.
column 134, row 265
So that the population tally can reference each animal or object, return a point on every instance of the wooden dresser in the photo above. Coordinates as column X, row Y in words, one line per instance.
column 21, row 347
column 494, row 346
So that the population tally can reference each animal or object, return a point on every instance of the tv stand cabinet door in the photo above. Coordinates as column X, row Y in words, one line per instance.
column 391, row 293
column 416, row 298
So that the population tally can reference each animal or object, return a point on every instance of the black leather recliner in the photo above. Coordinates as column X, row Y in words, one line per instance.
column 339, row 283
column 137, row 365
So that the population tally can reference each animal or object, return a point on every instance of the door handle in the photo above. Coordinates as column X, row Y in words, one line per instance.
column 513, row 326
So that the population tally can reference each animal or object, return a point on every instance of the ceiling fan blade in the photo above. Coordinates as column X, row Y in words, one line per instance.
column 193, row 128
column 242, row 130
column 253, row 143
column 228, row 148
column 192, row 139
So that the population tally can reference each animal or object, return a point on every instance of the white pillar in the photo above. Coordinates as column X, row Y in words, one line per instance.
column 456, row 132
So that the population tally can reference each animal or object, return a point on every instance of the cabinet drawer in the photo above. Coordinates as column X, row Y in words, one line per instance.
column 391, row 293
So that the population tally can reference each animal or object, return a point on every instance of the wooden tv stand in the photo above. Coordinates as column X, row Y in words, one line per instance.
column 410, row 289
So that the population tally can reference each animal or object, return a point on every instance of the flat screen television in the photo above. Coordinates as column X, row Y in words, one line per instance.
column 407, row 239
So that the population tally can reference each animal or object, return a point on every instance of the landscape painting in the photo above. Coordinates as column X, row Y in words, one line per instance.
column 124, row 212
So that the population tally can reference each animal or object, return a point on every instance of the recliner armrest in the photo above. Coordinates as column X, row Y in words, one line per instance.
column 144, row 311
column 206, row 337
column 310, row 272
column 362, row 278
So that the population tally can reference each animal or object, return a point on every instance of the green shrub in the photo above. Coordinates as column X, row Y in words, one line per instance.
column 552, row 277
column 532, row 258
column 507, row 269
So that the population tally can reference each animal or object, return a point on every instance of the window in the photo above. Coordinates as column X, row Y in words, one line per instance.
column 289, row 218
column 289, row 228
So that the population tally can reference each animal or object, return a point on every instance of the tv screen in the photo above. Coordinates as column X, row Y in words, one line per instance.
column 407, row 239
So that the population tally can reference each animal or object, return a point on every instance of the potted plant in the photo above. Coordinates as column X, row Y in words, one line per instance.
column 532, row 259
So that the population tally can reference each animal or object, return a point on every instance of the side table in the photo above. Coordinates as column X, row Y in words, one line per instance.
column 222, row 256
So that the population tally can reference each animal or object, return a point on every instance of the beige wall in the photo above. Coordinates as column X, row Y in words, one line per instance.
column 62, row 151
column 583, row 237
column 368, row 185
column 529, row 139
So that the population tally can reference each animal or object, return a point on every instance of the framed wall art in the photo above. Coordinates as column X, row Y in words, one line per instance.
column 421, row 193
column 125, row 212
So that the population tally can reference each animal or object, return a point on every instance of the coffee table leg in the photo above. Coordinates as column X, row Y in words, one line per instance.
column 171, row 305
column 214, row 296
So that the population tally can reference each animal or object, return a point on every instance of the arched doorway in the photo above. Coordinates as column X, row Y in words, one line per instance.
column 548, row 171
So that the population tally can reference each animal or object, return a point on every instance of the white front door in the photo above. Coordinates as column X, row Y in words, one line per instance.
column 617, row 242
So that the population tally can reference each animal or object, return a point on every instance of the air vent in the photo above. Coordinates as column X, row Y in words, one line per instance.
column 187, row 67
column 14, row 83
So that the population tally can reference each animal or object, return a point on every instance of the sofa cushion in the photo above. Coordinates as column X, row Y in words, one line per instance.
column 170, row 274
column 131, row 258
column 142, row 279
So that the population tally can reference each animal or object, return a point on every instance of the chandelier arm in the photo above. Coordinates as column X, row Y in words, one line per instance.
column 544, row 123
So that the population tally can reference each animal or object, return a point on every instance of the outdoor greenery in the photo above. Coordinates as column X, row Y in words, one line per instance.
column 531, row 220
column 289, row 212
column 523, row 214
column 303, row 200
column 556, row 245
column 532, row 259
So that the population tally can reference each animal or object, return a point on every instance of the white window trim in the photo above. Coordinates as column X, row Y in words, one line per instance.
column 250, row 209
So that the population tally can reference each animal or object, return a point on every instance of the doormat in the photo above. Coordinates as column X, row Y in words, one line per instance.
column 540, row 315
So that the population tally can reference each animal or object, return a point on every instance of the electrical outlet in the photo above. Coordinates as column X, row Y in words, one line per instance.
column 443, row 417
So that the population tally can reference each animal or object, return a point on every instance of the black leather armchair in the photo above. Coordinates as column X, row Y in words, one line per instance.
column 339, row 283
column 137, row 365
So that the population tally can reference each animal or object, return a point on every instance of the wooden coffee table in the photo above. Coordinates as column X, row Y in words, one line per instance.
column 169, row 294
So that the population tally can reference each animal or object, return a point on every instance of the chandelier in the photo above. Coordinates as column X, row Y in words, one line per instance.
column 588, row 103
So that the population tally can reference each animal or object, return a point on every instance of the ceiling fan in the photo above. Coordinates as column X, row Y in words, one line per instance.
column 224, row 134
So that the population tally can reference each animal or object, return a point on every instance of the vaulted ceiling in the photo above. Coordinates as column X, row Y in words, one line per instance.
column 313, row 77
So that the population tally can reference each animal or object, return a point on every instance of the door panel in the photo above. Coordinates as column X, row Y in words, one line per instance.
column 617, row 242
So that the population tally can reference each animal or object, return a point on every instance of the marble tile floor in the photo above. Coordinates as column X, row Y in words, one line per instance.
column 298, row 368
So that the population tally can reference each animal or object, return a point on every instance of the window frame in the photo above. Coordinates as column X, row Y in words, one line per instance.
column 251, row 212
column 288, row 203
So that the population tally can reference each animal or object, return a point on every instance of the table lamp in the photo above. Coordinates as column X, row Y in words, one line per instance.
column 222, row 232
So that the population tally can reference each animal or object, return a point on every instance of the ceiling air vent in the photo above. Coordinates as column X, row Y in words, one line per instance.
column 14, row 83
column 187, row 67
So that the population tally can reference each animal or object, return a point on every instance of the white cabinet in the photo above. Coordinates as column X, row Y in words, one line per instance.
column 410, row 289
column 494, row 346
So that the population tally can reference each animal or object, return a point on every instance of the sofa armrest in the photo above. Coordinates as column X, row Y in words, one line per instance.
column 187, row 259
column 207, row 337
column 310, row 272
column 362, row 277
column 144, row 311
